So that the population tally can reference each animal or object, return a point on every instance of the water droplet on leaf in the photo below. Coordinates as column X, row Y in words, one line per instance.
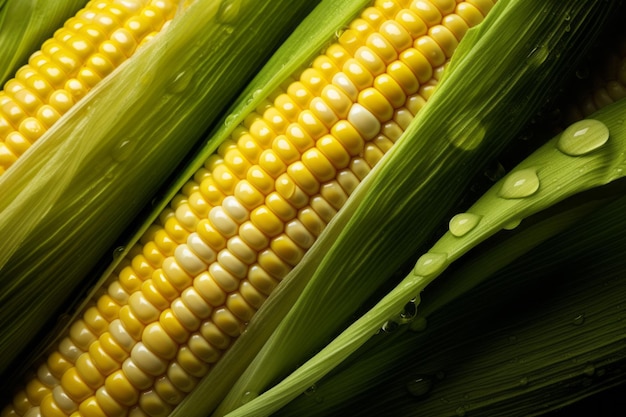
column 463, row 223
column 230, row 119
column 469, row 137
column 123, row 150
column 512, row 224
column 248, row 396
column 390, row 326
column 579, row 319
column 420, row 386
column 520, row 184
column 181, row 82
column 430, row 263
column 229, row 11
column 311, row 390
column 583, row 137
column 118, row 252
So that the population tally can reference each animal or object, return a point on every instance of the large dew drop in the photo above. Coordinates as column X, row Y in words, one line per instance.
column 583, row 137
column 520, row 184
column 463, row 223
column 430, row 263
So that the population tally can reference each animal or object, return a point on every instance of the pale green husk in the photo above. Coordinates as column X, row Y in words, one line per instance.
column 66, row 200
column 25, row 24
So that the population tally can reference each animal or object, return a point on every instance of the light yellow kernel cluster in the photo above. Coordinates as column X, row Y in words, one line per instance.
column 187, row 291
column 85, row 50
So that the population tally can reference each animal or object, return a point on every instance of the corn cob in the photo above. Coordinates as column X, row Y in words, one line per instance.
column 98, row 39
column 248, row 216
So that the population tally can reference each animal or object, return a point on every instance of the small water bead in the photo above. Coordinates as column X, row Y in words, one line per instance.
column 520, row 184
column 512, row 224
column 470, row 137
column 578, row 320
column 390, row 326
column 410, row 311
column 523, row 381
column 248, row 396
column 181, row 82
column 229, row 11
column 118, row 252
column 463, row 223
column 230, row 119
column 583, row 137
column 123, row 150
column 420, row 386
column 589, row 370
column 430, row 263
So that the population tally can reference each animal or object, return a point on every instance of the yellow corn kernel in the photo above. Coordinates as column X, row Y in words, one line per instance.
column 50, row 408
column 90, row 407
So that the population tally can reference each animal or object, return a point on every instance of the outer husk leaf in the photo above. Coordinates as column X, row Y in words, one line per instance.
column 66, row 200
column 25, row 24
column 483, row 105
column 558, row 339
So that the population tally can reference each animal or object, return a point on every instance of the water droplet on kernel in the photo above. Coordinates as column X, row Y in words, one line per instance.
column 463, row 223
column 520, row 184
column 430, row 263
column 181, row 82
column 420, row 386
column 583, row 137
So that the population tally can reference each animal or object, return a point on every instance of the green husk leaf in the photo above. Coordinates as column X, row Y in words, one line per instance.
column 25, row 24
column 66, row 200
column 542, row 332
column 483, row 105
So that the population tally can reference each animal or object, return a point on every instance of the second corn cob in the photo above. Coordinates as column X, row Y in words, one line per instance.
column 169, row 294
column 89, row 47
